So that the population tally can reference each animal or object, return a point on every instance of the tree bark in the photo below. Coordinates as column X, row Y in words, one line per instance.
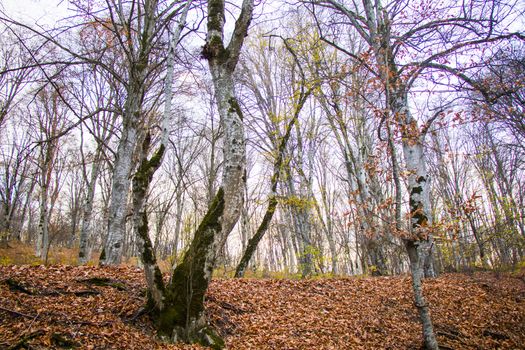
column 132, row 119
column 112, row 251
column 85, row 231
column 179, row 306
column 417, row 255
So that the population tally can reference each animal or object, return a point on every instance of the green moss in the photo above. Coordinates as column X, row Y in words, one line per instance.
column 214, row 49
column 155, row 160
column 215, row 14
column 208, row 337
column 235, row 108
column 158, row 278
column 147, row 168
column 147, row 252
column 184, row 297
column 167, row 319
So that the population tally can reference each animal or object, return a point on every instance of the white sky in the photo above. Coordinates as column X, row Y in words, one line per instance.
column 43, row 12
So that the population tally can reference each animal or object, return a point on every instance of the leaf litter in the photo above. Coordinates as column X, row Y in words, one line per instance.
column 66, row 307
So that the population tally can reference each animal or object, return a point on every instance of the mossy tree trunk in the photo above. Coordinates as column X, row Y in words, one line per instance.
column 182, row 317
column 179, row 306
column 141, row 182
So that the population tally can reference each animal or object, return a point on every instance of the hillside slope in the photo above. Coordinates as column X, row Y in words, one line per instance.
column 100, row 308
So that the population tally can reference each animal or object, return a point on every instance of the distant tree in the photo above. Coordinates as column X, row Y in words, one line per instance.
column 16, row 66
column 503, row 80
column 49, row 120
column 279, row 92
column 95, row 97
column 16, row 182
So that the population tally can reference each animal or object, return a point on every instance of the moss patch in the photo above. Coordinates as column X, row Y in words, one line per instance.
column 234, row 107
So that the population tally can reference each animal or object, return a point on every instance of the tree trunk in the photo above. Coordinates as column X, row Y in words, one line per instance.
column 357, row 178
column 419, row 190
column 272, row 205
column 141, row 182
column 46, row 168
column 85, row 231
column 112, row 252
column 131, row 131
column 254, row 241
column 42, row 242
column 417, row 255
column 418, row 245
column 181, row 316
column 180, row 307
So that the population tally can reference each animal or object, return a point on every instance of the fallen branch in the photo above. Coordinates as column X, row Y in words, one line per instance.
column 21, row 344
column 495, row 335
column 58, row 320
column 16, row 313
column 15, row 286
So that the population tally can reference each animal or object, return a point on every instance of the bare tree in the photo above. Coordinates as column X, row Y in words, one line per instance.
column 16, row 182
column 390, row 36
column 184, row 318
column 15, row 70
column 95, row 93
column 49, row 120
column 180, row 304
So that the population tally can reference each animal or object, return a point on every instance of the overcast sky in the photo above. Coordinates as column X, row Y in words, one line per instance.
column 35, row 11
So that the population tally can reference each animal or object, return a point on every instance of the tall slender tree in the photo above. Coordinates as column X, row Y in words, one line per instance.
column 394, row 31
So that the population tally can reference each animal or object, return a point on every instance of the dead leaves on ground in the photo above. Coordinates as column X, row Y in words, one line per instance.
column 101, row 308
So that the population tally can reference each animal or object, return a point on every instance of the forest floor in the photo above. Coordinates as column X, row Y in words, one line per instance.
column 85, row 307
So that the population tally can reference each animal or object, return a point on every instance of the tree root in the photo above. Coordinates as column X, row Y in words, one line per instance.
column 104, row 282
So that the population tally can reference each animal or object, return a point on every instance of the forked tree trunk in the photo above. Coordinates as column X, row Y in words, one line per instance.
column 141, row 182
column 179, row 307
